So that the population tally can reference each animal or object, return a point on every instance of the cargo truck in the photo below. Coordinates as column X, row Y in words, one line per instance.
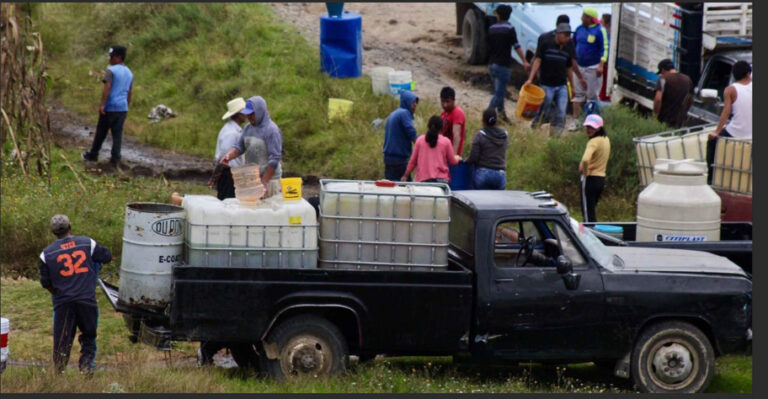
column 704, row 40
column 552, row 294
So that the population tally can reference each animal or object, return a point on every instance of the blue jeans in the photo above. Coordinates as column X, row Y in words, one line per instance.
column 500, row 76
column 553, row 108
column 489, row 179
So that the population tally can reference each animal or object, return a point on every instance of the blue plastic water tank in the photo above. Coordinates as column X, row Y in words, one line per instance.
column 341, row 45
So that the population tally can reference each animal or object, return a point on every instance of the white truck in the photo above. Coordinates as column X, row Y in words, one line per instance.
column 704, row 40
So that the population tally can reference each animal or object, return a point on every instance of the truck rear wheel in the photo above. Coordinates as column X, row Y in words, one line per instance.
column 307, row 345
column 473, row 37
column 673, row 356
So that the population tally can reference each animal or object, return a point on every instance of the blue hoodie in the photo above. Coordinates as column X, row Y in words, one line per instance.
column 400, row 132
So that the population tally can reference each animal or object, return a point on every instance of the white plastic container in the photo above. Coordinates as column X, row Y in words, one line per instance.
column 152, row 245
column 369, row 226
column 399, row 80
column 676, row 145
column 5, row 328
column 231, row 233
column 380, row 80
column 678, row 205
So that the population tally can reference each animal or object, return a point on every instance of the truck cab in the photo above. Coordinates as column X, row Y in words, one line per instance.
column 716, row 75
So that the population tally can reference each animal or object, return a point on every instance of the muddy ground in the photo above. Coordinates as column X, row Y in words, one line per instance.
column 420, row 37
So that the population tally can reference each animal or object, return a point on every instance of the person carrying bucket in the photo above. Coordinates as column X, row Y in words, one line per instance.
column 593, row 165
column 69, row 268
column 262, row 144
column 553, row 60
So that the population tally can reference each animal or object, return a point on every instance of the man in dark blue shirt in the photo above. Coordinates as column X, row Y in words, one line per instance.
column 501, row 40
column 68, row 270
column 399, row 135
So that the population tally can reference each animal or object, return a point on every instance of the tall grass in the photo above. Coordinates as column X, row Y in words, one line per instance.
column 98, row 211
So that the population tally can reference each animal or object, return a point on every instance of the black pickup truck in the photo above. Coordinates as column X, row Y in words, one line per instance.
column 525, row 283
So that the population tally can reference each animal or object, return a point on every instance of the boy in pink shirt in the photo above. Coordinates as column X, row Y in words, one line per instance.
column 432, row 155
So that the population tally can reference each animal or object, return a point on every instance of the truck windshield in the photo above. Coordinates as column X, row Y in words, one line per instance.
column 596, row 249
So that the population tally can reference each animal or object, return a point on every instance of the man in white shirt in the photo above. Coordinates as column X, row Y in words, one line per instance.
column 229, row 135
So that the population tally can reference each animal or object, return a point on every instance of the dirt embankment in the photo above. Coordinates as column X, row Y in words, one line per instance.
column 420, row 37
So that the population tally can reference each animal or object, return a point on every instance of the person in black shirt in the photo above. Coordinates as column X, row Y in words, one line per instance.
column 570, row 47
column 554, row 62
column 501, row 39
column 68, row 269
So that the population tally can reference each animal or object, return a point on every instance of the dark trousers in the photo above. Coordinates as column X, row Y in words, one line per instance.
column 112, row 121
column 593, row 188
column 394, row 172
column 711, row 148
column 67, row 318
column 225, row 186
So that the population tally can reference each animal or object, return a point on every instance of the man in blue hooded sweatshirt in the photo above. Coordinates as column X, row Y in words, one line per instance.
column 399, row 137
column 262, row 144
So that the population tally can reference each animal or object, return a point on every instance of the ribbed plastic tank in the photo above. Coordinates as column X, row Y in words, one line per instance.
column 272, row 233
column 341, row 45
column 383, row 225
column 678, row 205
column 152, row 244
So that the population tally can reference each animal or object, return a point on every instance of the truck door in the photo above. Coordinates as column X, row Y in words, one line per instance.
column 717, row 75
column 533, row 315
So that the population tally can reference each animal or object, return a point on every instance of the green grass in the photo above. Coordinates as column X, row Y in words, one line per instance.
column 138, row 368
column 98, row 211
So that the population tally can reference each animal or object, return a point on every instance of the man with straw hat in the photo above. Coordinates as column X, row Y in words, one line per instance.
column 591, row 41
column 229, row 135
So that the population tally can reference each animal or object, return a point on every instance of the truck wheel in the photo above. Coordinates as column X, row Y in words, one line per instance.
column 673, row 356
column 307, row 345
column 473, row 37
column 245, row 356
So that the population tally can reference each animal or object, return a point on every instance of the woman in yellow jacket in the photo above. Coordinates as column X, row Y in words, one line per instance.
column 592, row 166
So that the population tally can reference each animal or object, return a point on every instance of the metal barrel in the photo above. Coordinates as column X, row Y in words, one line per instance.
column 153, row 243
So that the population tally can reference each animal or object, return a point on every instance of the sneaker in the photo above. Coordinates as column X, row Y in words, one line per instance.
column 503, row 116
column 88, row 157
column 574, row 125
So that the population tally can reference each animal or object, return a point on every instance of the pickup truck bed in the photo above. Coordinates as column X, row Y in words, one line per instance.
column 396, row 308
column 735, row 241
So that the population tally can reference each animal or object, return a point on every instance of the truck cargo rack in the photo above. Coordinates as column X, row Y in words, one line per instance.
column 260, row 254
column 358, row 263
column 669, row 145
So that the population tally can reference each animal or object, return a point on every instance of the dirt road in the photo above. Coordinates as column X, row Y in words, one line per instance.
column 420, row 37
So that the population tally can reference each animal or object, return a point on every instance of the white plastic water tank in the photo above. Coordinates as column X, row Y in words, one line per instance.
column 231, row 233
column 678, row 205
column 372, row 225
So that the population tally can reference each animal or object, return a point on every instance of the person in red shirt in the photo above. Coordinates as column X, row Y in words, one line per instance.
column 454, row 121
column 432, row 155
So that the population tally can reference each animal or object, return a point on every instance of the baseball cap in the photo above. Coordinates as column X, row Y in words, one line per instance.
column 59, row 224
column 248, row 108
column 594, row 121
column 563, row 28
column 665, row 65
column 591, row 12
column 117, row 51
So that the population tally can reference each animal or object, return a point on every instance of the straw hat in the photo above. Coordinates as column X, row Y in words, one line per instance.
column 234, row 107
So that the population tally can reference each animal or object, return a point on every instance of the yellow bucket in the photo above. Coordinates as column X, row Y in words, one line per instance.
column 531, row 97
column 339, row 108
column 291, row 188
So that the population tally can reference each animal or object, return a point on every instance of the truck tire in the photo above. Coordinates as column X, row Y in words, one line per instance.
column 244, row 355
column 307, row 345
column 672, row 356
column 473, row 37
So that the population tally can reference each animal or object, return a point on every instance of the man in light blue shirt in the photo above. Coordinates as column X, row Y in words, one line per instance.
column 115, row 99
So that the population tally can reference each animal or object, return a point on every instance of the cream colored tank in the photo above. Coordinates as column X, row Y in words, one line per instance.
column 372, row 225
column 678, row 205
column 231, row 233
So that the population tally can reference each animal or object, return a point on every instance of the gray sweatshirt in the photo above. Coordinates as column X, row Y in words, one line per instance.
column 489, row 148
column 262, row 143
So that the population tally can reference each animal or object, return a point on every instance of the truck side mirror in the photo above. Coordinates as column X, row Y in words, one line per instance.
column 709, row 95
column 564, row 265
